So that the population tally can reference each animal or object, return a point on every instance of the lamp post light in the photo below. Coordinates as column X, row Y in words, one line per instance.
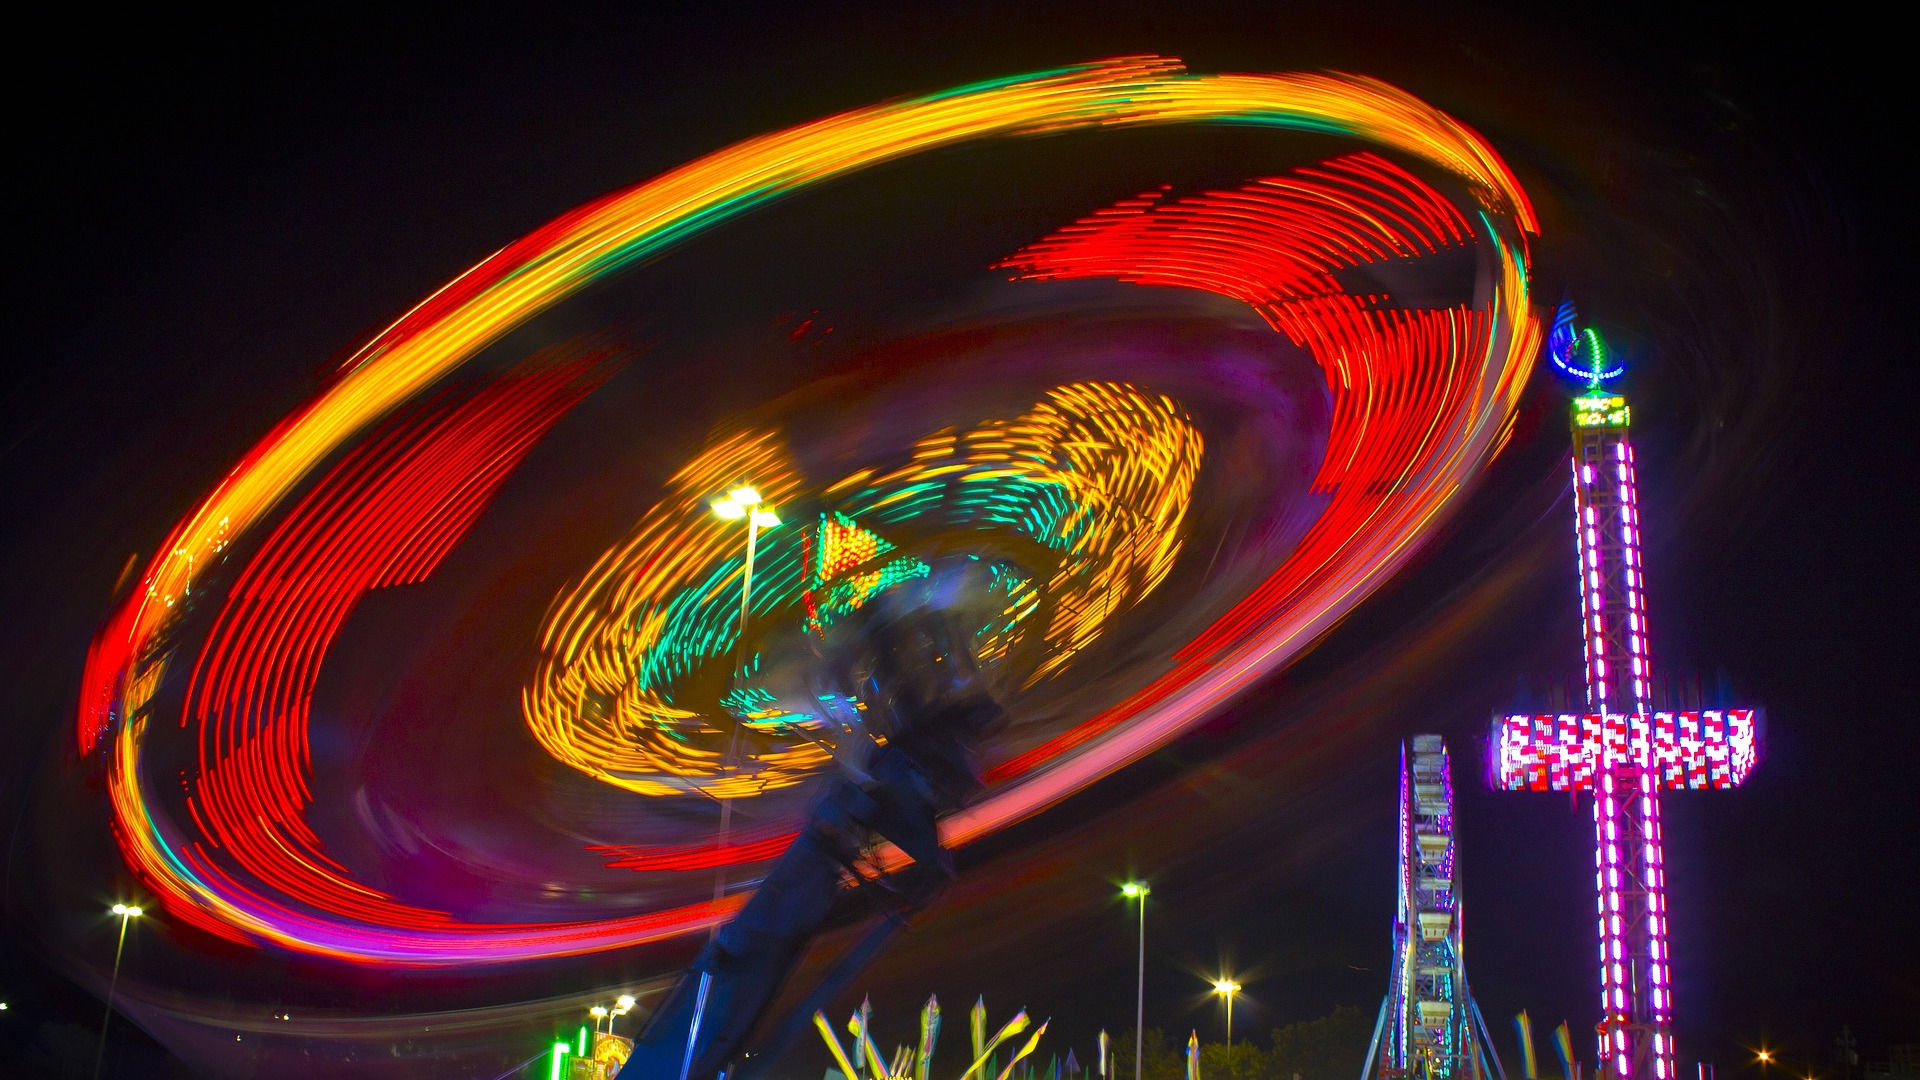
column 599, row 1013
column 621, row 1007
column 127, row 913
column 1227, row 988
column 741, row 502
column 1138, row 890
column 745, row 502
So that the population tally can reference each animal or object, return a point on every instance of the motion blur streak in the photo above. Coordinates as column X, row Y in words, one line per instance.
column 1413, row 415
column 1420, row 398
column 648, row 612
column 385, row 516
column 1119, row 467
column 1098, row 474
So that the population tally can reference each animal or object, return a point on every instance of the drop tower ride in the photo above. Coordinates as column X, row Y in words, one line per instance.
column 1621, row 749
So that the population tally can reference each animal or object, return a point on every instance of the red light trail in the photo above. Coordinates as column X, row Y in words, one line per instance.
column 369, row 487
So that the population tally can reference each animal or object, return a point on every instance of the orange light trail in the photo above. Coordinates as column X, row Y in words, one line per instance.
column 1413, row 453
column 1098, row 473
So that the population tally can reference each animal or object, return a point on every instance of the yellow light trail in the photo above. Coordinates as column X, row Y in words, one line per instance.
column 508, row 288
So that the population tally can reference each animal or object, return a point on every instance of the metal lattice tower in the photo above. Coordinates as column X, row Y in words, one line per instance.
column 1621, row 749
column 1428, row 1027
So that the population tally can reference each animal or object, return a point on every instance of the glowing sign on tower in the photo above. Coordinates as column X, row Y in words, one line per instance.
column 1621, row 749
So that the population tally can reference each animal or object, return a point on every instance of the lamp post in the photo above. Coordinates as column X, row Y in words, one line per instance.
column 1138, row 890
column 1227, row 988
column 599, row 1013
column 127, row 913
column 745, row 502
column 621, row 1007
column 741, row 502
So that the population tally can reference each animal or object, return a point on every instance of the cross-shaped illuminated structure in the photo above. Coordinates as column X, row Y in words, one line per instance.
column 1620, row 749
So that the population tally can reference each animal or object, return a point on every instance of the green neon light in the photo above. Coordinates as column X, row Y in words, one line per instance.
column 559, row 1060
column 1600, row 410
column 702, row 622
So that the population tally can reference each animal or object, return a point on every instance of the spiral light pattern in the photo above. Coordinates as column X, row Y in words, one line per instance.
column 367, row 486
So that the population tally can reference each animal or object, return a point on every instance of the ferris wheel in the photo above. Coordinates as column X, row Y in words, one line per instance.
column 1429, row 1027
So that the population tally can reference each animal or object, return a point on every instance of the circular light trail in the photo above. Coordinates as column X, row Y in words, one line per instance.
column 1097, row 475
column 1421, row 399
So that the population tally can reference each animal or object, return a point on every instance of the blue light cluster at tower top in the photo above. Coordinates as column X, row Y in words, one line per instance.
column 1580, row 353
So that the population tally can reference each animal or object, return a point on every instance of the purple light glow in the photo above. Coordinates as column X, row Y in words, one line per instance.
column 1623, row 751
column 1691, row 750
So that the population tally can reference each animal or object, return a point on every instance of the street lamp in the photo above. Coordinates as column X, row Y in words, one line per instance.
column 621, row 1007
column 127, row 913
column 1138, row 890
column 599, row 1013
column 1227, row 988
column 741, row 502
column 745, row 502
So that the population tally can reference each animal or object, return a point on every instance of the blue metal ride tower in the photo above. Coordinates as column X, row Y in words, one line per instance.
column 1429, row 1027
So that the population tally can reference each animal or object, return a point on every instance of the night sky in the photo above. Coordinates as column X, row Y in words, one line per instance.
column 209, row 214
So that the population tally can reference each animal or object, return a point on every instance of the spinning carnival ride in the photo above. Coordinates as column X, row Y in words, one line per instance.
column 667, row 675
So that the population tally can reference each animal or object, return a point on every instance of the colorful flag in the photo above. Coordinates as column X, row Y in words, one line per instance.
column 979, row 1020
column 1524, row 1025
column 929, row 1038
column 833, row 1044
column 864, row 1050
column 989, row 1056
column 1024, row 1050
column 1563, row 1042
